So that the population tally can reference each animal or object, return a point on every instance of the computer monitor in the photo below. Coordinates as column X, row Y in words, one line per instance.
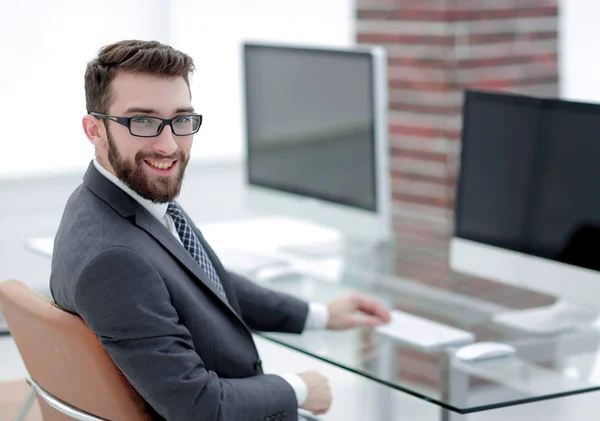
column 528, row 204
column 316, row 136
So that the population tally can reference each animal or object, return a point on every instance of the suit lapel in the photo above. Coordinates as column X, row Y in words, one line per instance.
column 152, row 226
column 128, row 207
column 223, row 275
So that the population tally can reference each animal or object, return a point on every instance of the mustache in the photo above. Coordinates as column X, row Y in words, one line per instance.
column 176, row 156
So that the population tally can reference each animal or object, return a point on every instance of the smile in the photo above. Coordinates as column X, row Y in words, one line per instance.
column 163, row 165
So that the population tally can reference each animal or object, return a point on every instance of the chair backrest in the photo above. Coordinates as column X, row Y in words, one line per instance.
column 65, row 358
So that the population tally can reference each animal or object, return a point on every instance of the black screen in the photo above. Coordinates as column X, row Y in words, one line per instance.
column 530, row 177
column 310, row 123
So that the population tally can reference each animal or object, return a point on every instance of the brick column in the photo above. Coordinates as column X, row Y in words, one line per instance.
column 436, row 49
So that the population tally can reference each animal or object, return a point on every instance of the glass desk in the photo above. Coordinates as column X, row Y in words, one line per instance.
column 421, row 283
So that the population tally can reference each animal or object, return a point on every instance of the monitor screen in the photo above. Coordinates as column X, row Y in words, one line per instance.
column 530, row 177
column 310, row 126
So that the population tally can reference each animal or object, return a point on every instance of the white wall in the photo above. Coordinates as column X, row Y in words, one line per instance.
column 212, row 31
column 579, row 54
column 44, row 48
column 45, row 45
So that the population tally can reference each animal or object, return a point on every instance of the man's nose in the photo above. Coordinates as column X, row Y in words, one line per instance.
column 165, row 143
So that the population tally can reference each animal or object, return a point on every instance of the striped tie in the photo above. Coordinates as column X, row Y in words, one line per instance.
column 192, row 244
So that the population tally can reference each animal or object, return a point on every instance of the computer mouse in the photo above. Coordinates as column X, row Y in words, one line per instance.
column 481, row 351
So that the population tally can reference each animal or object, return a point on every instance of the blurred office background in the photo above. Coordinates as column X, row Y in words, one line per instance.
column 436, row 49
column 46, row 45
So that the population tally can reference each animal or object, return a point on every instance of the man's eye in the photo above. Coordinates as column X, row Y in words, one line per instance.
column 182, row 119
column 142, row 120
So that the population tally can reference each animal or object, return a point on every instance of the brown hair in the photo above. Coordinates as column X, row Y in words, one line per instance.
column 147, row 57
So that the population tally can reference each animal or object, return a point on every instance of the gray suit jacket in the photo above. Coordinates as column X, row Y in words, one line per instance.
column 187, row 352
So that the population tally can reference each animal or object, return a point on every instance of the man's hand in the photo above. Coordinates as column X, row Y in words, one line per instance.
column 318, row 399
column 356, row 310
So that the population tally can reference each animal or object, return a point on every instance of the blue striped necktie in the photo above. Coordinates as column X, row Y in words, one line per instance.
column 192, row 244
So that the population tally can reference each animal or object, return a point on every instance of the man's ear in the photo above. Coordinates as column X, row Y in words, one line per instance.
column 95, row 131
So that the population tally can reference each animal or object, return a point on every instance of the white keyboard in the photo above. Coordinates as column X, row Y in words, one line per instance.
column 423, row 333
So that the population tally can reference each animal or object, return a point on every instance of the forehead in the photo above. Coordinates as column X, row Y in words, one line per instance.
column 146, row 91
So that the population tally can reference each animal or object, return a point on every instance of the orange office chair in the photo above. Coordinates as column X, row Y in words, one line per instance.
column 70, row 373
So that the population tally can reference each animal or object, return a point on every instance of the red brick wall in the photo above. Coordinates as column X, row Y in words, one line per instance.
column 436, row 49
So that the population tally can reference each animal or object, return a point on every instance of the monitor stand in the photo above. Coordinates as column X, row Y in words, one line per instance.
column 559, row 317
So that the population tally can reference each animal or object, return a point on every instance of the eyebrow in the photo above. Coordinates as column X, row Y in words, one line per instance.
column 152, row 111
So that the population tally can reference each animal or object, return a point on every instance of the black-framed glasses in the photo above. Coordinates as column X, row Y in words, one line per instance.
column 146, row 126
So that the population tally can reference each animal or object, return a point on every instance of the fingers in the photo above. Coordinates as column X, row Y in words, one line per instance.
column 364, row 321
column 372, row 307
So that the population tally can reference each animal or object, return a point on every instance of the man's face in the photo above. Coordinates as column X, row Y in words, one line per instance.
column 153, row 167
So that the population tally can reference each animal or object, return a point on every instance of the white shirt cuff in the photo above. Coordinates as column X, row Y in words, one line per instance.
column 318, row 317
column 298, row 385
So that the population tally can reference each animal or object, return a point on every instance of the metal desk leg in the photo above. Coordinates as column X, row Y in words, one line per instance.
column 448, row 415
column 386, row 369
column 456, row 390
column 25, row 407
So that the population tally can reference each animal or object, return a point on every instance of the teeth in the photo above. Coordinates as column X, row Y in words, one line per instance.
column 161, row 165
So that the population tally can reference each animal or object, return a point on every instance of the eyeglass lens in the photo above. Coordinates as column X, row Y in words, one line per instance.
column 148, row 126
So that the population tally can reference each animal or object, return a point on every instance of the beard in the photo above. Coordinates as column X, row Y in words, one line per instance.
column 132, row 173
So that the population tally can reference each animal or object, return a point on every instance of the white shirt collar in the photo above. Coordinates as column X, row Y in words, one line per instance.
column 159, row 210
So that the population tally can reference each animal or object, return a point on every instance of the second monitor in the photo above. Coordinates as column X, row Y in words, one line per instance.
column 527, row 204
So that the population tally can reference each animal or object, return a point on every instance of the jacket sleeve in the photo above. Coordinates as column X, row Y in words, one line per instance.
column 124, row 301
column 267, row 310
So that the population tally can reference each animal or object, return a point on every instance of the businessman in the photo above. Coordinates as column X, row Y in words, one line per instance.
column 129, row 260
